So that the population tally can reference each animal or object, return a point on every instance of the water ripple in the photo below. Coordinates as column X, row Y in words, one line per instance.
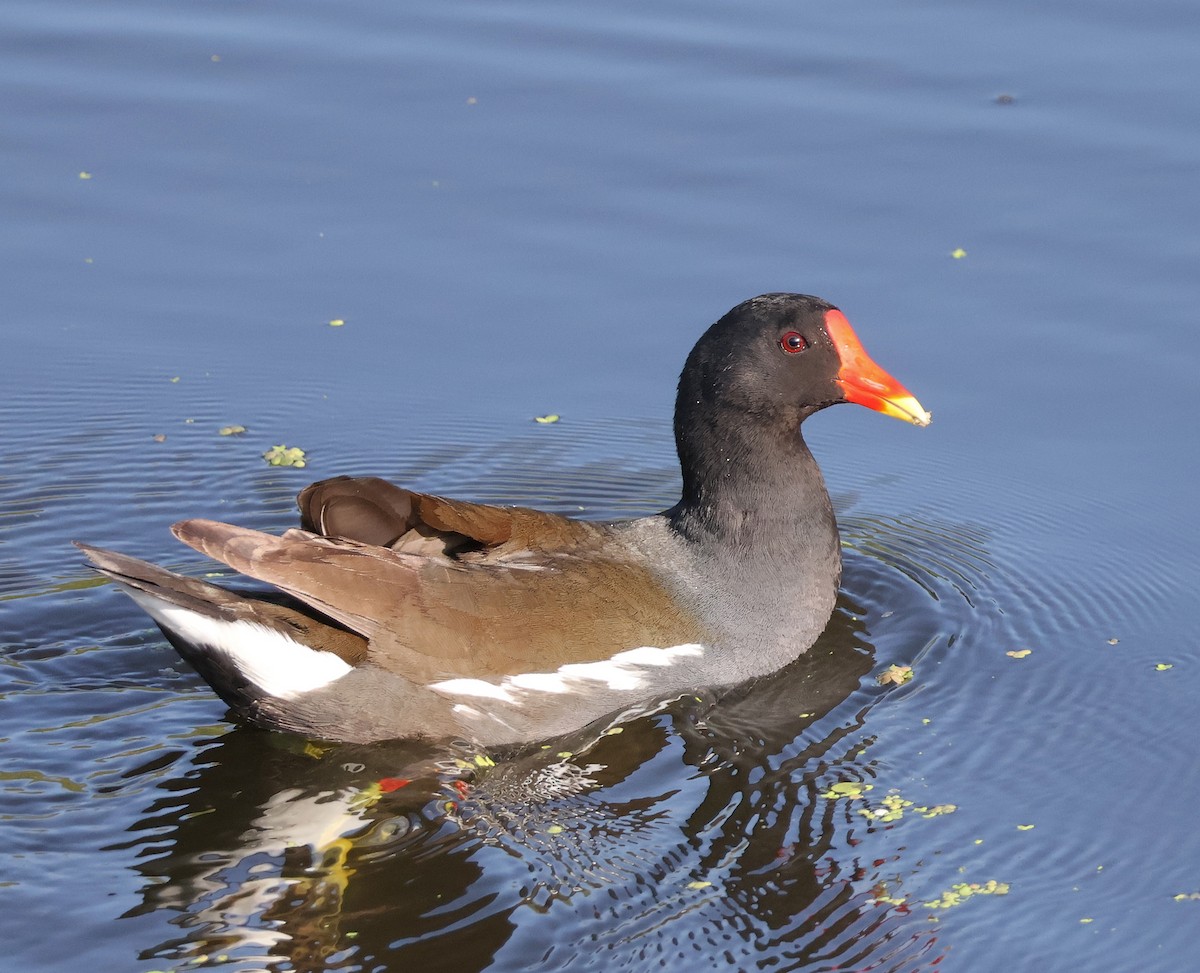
column 754, row 824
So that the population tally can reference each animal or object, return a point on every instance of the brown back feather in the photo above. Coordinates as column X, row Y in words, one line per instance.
column 545, row 590
column 374, row 511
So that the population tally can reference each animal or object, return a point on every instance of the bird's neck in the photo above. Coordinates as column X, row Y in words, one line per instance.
column 754, row 489
column 759, row 525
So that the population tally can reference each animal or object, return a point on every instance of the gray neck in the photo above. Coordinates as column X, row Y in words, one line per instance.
column 759, row 523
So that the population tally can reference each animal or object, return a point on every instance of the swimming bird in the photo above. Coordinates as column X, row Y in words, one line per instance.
column 412, row 615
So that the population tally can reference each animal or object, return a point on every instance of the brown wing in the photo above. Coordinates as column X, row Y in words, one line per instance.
column 520, row 608
column 374, row 511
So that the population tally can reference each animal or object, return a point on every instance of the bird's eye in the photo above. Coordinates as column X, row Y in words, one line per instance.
column 793, row 342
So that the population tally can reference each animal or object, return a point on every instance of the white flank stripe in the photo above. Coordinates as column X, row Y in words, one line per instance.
column 611, row 673
column 624, row 672
column 472, row 687
column 276, row 664
column 542, row 682
column 648, row 655
column 621, row 672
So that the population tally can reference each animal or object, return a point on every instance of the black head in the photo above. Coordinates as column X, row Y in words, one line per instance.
column 771, row 357
column 761, row 370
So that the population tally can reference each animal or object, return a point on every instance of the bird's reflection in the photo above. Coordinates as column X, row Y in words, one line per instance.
column 703, row 823
column 306, row 855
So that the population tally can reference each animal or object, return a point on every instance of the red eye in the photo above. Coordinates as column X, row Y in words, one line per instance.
column 793, row 342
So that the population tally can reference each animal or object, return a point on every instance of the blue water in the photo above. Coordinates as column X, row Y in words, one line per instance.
column 529, row 208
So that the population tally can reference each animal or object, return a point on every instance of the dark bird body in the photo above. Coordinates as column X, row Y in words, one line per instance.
column 415, row 615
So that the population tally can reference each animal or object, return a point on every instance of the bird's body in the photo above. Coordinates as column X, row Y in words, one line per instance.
column 415, row 615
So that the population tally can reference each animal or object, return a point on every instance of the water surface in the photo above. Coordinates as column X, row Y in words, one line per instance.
column 529, row 208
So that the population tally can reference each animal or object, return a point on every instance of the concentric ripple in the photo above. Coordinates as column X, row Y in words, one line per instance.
column 807, row 817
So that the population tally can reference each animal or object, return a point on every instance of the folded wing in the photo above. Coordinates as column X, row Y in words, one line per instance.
column 444, row 588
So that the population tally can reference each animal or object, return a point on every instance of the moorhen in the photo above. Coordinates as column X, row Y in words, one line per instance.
column 412, row 615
